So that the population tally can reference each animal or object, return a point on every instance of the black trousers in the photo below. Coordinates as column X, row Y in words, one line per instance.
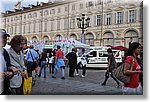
column 112, row 75
column 71, row 70
column 83, row 70
column 6, row 92
column 51, row 67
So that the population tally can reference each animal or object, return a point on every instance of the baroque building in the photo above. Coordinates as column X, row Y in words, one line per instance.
column 112, row 22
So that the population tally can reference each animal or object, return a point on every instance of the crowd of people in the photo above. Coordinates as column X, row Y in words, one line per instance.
column 15, row 67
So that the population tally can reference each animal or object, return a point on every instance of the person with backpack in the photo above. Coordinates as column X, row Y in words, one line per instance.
column 111, row 66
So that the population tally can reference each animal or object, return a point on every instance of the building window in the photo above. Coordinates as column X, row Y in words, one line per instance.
column 108, row 39
column 59, row 10
column 131, row 36
column 46, row 40
column 24, row 28
column 73, row 36
column 72, row 23
column 52, row 11
column 45, row 28
column 29, row 16
column 35, row 15
column 81, row 6
column 132, row 16
column 29, row 28
column 108, row 1
column 45, row 12
column 119, row 17
column 41, row 13
column 58, row 38
column 99, row 2
column 66, row 8
column 58, row 24
column 7, row 19
column 98, row 20
column 52, row 25
column 90, row 39
column 108, row 19
column 73, row 7
column 11, row 19
column 66, row 24
column 34, row 26
column 89, row 4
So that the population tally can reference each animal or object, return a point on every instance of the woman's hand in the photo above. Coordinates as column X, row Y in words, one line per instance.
column 8, row 74
column 14, row 69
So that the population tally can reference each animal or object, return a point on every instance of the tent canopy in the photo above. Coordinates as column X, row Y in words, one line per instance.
column 70, row 43
column 122, row 48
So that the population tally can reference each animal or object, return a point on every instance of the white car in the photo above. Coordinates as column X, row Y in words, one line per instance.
column 98, row 58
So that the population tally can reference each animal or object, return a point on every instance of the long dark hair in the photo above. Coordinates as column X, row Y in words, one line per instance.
column 132, row 47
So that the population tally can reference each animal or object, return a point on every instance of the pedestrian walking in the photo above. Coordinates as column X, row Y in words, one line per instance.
column 133, row 87
column 84, row 61
column 59, row 63
column 6, row 72
column 32, row 59
column 111, row 65
column 72, row 57
column 17, row 61
column 50, row 62
column 43, row 63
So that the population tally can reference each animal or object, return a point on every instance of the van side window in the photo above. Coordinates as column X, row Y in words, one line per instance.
column 92, row 54
column 103, row 54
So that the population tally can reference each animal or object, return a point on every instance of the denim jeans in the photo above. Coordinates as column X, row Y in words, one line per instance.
column 62, row 71
column 43, row 65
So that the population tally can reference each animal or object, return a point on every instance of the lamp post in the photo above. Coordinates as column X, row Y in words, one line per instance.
column 83, row 23
column 41, row 4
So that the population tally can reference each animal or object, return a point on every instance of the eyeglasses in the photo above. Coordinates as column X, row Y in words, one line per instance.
column 20, row 45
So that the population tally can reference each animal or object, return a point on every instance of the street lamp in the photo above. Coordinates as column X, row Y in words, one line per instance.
column 41, row 4
column 83, row 23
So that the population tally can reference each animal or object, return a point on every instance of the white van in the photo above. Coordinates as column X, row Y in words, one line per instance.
column 98, row 58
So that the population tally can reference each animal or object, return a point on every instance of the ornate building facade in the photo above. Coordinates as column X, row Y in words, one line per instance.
column 112, row 22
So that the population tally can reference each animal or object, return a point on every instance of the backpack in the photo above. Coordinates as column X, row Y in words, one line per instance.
column 119, row 73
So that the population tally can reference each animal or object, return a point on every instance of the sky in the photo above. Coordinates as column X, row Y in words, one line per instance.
column 9, row 4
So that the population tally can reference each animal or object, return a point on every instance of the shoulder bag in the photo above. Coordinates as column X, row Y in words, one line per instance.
column 119, row 73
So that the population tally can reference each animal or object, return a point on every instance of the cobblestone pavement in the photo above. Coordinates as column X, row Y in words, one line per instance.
column 90, row 85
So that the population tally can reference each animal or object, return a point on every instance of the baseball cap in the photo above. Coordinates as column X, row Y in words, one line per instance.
column 4, row 33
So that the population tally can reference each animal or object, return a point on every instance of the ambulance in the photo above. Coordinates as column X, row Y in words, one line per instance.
column 97, row 57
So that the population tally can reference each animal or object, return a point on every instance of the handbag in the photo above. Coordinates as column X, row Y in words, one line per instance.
column 119, row 73
column 27, row 85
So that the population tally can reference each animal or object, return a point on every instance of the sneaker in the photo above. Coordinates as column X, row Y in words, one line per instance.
column 77, row 74
column 62, row 77
column 53, row 77
column 103, row 84
column 82, row 76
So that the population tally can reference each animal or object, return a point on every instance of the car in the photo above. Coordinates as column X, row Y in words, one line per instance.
column 97, row 58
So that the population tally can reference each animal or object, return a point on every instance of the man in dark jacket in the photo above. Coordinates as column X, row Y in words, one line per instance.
column 72, row 57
